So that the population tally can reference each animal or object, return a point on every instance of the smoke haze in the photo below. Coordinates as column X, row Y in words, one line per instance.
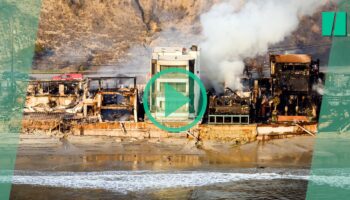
column 235, row 30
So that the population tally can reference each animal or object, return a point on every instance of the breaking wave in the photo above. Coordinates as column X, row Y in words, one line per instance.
column 129, row 181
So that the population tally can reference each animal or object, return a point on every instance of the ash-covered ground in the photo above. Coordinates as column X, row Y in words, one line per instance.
column 118, row 35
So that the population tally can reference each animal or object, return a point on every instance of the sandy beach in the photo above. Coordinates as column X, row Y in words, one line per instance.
column 41, row 152
column 169, row 168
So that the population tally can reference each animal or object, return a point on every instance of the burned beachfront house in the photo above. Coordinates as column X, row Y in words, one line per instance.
column 285, row 93
column 52, row 104
column 111, row 99
column 231, row 107
column 61, row 104
column 48, row 96
column 261, row 100
column 293, row 76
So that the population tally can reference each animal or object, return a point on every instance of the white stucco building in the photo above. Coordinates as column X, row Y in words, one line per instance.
column 175, row 57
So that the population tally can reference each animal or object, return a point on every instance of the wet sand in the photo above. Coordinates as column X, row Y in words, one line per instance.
column 101, row 153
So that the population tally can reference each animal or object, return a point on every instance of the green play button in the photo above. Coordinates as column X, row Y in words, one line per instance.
column 173, row 100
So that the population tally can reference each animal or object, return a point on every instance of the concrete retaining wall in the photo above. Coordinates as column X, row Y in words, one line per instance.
column 239, row 133
column 224, row 133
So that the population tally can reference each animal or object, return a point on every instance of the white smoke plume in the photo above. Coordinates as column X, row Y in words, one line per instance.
column 319, row 87
column 236, row 29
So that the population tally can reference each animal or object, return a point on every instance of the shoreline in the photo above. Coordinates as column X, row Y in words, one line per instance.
column 117, row 160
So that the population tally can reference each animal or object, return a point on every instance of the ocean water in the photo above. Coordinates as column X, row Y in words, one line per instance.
column 144, row 184
column 250, row 189
column 132, row 181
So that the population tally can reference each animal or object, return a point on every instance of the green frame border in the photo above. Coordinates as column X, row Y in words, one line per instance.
column 19, row 22
column 330, row 167
column 147, row 93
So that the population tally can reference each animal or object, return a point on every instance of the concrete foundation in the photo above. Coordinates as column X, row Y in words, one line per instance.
column 279, row 131
column 224, row 133
column 239, row 133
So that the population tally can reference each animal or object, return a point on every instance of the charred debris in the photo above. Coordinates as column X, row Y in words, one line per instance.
column 90, row 100
column 285, row 94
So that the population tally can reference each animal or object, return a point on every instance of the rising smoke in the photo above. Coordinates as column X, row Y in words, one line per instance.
column 235, row 30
